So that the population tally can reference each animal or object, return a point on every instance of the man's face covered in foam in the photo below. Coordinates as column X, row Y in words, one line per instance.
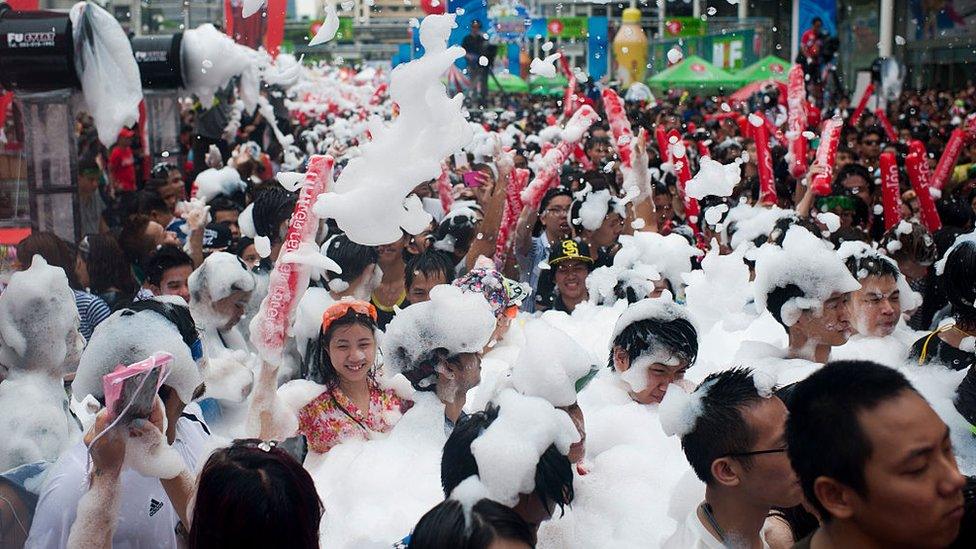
column 231, row 308
column 830, row 325
column 875, row 308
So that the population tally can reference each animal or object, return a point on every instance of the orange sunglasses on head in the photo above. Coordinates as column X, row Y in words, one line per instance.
column 342, row 308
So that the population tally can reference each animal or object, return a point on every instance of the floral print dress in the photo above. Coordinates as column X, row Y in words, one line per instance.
column 332, row 418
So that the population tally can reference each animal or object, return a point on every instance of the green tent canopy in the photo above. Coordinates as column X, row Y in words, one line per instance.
column 767, row 68
column 693, row 73
column 507, row 82
column 545, row 85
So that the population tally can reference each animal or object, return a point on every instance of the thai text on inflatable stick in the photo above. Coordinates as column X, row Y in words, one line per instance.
column 552, row 162
column 662, row 143
column 270, row 326
column 829, row 138
column 861, row 105
column 917, row 166
column 570, row 103
column 949, row 157
column 680, row 155
column 444, row 189
column 797, row 120
column 518, row 179
column 623, row 135
column 764, row 161
column 886, row 124
column 890, row 193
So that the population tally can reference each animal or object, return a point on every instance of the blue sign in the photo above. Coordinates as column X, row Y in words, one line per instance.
column 597, row 58
column 473, row 10
column 826, row 10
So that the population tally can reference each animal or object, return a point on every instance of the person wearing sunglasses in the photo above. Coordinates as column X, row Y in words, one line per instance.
column 737, row 447
column 352, row 406
column 870, row 146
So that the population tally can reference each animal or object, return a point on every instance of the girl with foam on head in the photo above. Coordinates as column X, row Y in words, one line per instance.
column 352, row 404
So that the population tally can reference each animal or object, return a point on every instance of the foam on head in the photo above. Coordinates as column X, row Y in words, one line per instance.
column 128, row 338
column 38, row 321
column 549, row 364
column 807, row 262
column 457, row 321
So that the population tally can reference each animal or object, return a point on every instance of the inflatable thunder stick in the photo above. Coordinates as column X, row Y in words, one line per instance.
column 662, row 143
column 764, row 163
column 829, row 138
column 917, row 166
column 679, row 154
column 518, row 179
column 552, row 161
column 623, row 135
column 444, row 189
column 890, row 192
column 886, row 124
column 949, row 157
column 797, row 121
column 856, row 117
column 270, row 326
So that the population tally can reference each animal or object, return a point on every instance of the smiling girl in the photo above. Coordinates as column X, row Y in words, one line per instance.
column 352, row 406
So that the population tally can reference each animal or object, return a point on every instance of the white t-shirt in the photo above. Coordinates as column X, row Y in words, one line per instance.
column 692, row 534
column 147, row 519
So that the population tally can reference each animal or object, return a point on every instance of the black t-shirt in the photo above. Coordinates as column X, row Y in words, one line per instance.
column 939, row 351
column 474, row 46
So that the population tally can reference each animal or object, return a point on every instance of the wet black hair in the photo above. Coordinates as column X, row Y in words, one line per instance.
column 242, row 244
column 918, row 245
column 147, row 202
column 271, row 207
column 959, row 283
column 871, row 265
column 324, row 372
column 222, row 203
column 783, row 224
column 447, row 526
column 852, row 169
column 823, row 433
column 430, row 262
column 777, row 297
column 178, row 315
column 955, row 212
column 677, row 335
column 553, row 473
column 353, row 258
column 461, row 228
column 252, row 495
column 163, row 259
column 721, row 429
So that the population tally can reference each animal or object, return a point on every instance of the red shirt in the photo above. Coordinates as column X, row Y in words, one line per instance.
column 122, row 167
column 810, row 42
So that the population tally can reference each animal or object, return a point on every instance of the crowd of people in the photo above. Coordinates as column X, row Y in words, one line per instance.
column 599, row 360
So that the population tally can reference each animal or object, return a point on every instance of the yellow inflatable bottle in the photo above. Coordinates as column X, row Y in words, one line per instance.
column 630, row 49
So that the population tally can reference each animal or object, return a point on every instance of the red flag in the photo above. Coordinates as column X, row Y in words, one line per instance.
column 275, row 32
column 23, row 5
column 264, row 28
